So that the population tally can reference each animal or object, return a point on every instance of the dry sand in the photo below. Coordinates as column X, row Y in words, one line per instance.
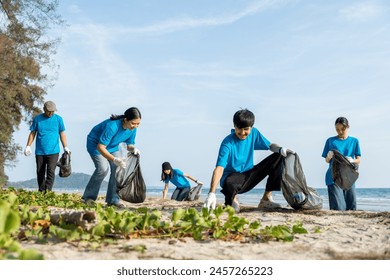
column 346, row 235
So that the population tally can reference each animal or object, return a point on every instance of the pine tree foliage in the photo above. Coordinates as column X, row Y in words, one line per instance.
column 25, row 49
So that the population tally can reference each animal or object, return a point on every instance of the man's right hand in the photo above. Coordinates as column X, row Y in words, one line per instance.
column 27, row 151
column 211, row 201
column 120, row 162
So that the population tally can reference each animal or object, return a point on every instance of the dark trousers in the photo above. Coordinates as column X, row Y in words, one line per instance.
column 180, row 194
column 340, row 199
column 46, row 167
column 237, row 183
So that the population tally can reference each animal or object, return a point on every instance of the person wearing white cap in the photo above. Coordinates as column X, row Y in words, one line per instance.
column 48, row 128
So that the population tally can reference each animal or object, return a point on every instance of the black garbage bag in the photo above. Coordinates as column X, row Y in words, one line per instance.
column 130, row 184
column 194, row 193
column 294, row 187
column 344, row 173
column 64, row 165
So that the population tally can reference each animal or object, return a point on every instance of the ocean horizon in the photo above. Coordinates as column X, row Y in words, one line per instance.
column 368, row 199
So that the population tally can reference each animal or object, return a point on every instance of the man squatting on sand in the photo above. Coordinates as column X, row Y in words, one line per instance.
column 234, row 169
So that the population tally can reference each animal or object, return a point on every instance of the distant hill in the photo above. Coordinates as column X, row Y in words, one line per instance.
column 75, row 182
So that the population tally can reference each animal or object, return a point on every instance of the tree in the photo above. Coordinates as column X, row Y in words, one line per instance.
column 25, row 48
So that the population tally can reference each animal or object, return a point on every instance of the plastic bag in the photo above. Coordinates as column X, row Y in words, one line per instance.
column 64, row 165
column 194, row 193
column 294, row 187
column 344, row 173
column 130, row 184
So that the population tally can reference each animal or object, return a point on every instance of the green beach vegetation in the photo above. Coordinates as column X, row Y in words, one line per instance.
column 31, row 216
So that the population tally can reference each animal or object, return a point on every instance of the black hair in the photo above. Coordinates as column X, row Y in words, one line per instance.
column 130, row 114
column 243, row 118
column 343, row 121
column 166, row 166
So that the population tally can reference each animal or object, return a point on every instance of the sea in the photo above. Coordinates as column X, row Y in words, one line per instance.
column 368, row 199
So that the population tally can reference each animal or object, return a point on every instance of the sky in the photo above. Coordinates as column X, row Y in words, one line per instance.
column 190, row 65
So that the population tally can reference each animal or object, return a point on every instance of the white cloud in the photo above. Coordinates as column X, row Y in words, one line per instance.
column 183, row 23
column 361, row 12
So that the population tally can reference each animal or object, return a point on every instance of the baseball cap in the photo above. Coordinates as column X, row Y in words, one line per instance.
column 50, row 106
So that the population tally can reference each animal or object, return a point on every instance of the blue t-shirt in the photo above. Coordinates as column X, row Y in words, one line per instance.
column 178, row 179
column 348, row 147
column 236, row 155
column 48, row 131
column 109, row 133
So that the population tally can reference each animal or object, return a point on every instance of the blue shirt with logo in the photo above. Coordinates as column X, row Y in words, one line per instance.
column 48, row 131
column 109, row 133
column 178, row 179
column 348, row 147
column 236, row 155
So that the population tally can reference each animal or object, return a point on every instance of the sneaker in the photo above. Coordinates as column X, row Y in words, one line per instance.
column 117, row 205
column 236, row 206
column 268, row 204
column 89, row 202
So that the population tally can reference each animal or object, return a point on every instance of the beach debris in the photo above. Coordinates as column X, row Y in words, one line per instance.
column 83, row 218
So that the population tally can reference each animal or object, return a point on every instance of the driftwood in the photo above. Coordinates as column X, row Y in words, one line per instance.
column 83, row 218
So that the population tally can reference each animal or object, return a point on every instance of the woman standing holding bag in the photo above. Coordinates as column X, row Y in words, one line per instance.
column 349, row 147
column 103, row 146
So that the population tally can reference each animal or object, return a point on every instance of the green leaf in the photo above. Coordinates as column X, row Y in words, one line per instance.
column 30, row 254
column 254, row 225
column 299, row 229
column 101, row 229
column 230, row 211
column 205, row 212
column 218, row 211
column 178, row 214
column 198, row 234
column 218, row 233
column 9, row 219
column 12, row 223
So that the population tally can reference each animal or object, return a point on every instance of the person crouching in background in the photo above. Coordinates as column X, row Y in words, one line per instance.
column 179, row 179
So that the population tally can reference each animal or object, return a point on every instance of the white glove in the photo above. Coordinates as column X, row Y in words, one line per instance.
column 27, row 151
column 350, row 159
column 211, row 201
column 136, row 152
column 199, row 182
column 120, row 162
column 330, row 155
column 285, row 151
column 67, row 150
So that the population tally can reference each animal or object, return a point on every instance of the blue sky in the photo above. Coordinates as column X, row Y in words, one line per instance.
column 190, row 65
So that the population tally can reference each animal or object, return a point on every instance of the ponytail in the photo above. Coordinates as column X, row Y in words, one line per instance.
column 116, row 117
column 130, row 114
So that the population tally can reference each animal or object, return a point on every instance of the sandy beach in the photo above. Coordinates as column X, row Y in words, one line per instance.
column 332, row 235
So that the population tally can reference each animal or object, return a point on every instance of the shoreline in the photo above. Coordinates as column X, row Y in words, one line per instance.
column 332, row 235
